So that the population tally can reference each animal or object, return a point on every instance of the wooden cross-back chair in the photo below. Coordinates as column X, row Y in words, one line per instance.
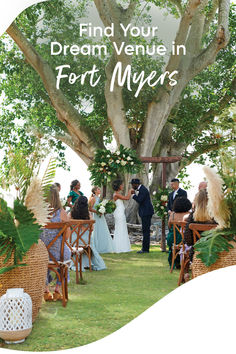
column 79, row 246
column 61, row 266
column 177, row 226
column 197, row 228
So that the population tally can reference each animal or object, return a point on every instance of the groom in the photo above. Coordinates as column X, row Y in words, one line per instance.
column 142, row 197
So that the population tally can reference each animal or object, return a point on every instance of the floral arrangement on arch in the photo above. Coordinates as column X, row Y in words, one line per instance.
column 105, row 207
column 108, row 165
column 160, row 201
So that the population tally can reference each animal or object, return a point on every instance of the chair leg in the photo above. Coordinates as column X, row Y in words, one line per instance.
column 181, row 274
column 80, row 267
column 66, row 283
column 76, row 268
column 173, row 259
column 63, row 287
column 90, row 263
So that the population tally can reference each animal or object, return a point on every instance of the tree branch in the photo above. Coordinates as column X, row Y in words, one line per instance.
column 193, row 43
column 178, row 5
column 195, row 154
column 108, row 9
column 182, row 33
column 210, row 16
column 221, row 39
column 65, row 110
column 209, row 116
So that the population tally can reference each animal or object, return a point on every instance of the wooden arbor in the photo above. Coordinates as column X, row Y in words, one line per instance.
column 164, row 161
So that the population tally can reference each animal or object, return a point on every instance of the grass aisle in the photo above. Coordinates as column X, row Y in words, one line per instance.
column 110, row 299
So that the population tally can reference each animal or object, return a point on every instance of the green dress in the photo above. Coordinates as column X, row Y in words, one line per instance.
column 74, row 196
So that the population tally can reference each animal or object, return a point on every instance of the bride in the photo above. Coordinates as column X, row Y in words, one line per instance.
column 121, row 241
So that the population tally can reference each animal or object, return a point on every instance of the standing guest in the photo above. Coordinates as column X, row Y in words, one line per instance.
column 142, row 197
column 177, row 192
column 101, row 234
column 58, row 215
column 80, row 212
column 74, row 194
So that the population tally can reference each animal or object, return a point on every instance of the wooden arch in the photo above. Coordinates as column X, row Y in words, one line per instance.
column 164, row 161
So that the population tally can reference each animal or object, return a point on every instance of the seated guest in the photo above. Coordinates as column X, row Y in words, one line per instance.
column 177, row 192
column 199, row 215
column 181, row 207
column 74, row 194
column 80, row 212
column 202, row 185
column 58, row 214
column 58, row 186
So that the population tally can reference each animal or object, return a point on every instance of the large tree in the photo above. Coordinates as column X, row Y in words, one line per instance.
column 160, row 122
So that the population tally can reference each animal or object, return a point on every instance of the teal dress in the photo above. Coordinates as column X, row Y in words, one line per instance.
column 101, row 234
column 74, row 196
column 96, row 260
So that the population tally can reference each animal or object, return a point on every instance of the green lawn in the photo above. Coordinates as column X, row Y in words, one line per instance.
column 110, row 299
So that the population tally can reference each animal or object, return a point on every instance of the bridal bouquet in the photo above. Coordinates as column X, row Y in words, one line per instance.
column 106, row 206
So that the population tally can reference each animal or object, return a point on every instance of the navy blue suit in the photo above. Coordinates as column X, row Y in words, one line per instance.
column 180, row 193
column 145, row 212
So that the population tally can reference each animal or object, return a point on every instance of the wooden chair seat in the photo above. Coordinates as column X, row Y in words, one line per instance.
column 61, row 266
column 197, row 228
column 79, row 246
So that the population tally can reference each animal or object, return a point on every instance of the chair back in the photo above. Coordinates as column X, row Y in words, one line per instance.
column 80, row 227
column 62, row 231
column 197, row 228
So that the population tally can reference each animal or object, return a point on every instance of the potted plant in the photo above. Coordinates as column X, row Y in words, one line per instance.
column 23, row 256
column 217, row 247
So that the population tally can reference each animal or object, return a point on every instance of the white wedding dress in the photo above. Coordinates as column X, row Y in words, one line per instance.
column 121, row 241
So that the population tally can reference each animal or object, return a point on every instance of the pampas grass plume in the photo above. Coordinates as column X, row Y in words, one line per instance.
column 217, row 207
column 35, row 202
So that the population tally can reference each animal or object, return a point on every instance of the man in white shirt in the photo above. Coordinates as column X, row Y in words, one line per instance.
column 177, row 192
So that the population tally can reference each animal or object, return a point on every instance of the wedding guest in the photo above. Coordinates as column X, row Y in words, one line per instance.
column 75, row 193
column 202, row 185
column 177, row 192
column 199, row 215
column 181, row 208
column 58, row 186
column 58, row 214
column 101, row 234
column 80, row 211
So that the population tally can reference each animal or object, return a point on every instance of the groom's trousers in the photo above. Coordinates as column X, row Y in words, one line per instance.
column 146, row 223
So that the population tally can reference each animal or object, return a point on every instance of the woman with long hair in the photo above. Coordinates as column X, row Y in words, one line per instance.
column 121, row 242
column 199, row 215
column 75, row 193
column 80, row 211
column 101, row 234
column 58, row 214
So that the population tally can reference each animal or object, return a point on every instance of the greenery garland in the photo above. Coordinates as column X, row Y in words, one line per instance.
column 108, row 165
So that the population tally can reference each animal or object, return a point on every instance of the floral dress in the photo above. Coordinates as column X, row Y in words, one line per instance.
column 48, row 235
